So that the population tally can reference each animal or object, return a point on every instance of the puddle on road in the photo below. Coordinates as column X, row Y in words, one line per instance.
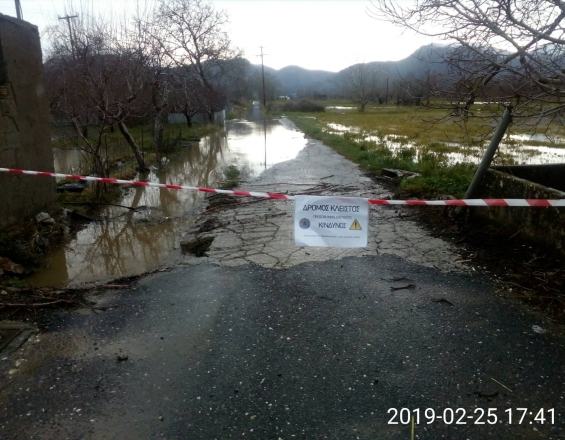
column 127, row 242
column 514, row 150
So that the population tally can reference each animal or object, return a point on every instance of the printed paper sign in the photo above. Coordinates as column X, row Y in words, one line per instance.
column 331, row 221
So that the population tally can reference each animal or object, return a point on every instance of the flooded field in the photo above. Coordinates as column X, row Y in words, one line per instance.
column 123, row 242
column 517, row 149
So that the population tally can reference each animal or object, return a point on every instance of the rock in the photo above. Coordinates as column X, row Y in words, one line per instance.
column 44, row 219
column 197, row 247
column 8, row 266
column 539, row 330
column 209, row 225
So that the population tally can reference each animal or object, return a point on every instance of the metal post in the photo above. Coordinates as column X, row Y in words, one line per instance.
column 19, row 10
column 489, row 154
column 263, row 76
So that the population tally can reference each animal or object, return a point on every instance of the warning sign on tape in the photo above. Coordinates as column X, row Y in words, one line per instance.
column 331, row 221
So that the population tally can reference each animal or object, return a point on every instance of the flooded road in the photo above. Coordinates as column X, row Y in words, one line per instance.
column 124, row 242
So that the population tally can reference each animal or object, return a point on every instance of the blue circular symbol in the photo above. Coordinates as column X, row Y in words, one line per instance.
column 304, row 223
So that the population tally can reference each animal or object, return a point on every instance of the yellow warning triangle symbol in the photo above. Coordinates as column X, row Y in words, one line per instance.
column 355, row 226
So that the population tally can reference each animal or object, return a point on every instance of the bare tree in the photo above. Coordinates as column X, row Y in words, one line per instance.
column 187, row 94
column 518, row 42
column 190, row 33
column 146, row 37
column 361, row 85
column 97, row 82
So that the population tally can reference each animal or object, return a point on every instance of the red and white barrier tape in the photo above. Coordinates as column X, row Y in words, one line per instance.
column 532, row 203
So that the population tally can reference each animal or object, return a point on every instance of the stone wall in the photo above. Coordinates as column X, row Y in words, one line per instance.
column 24, row 123
column 544, row 226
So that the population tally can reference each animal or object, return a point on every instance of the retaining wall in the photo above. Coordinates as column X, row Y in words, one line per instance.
column 545, row 226
column 24, row 122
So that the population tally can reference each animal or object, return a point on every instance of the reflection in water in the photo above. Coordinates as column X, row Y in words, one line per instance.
column 516, row 152
column 129, row 242
column 265, row 141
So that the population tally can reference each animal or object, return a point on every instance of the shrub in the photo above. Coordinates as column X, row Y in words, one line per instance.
column 302, row 105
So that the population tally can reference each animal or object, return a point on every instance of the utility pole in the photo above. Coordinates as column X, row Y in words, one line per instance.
column 19, row 10
column 263, row 76
column 489, row 153
column 68, row 19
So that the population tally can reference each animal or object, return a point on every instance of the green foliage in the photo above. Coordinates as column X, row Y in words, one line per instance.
column 434, row 182
column 232, row 177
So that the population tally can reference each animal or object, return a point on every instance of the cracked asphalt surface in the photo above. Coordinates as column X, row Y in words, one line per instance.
column 262, row 340
column 261, row 231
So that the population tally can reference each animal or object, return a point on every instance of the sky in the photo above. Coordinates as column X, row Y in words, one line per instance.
column 314, row 34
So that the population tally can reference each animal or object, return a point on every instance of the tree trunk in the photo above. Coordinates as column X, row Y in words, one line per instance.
column 134, row 147
column 158, row 133
column 188, row 119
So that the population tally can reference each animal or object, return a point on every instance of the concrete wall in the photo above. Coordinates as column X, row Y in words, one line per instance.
column 551, row 175
column 24, row 122
column 544, row 226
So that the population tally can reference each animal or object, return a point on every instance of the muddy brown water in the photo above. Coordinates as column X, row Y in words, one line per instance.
column 127, row 242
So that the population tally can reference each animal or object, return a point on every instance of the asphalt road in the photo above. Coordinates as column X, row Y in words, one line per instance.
column 317, row 351
column 263, row 340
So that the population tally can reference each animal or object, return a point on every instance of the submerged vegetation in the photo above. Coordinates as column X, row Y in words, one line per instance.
column 116, row 154
column 441, row 149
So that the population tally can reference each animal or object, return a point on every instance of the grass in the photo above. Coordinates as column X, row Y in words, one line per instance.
column 436, row 178
column 433, row 131
column 232, row 177
column 419, row 125
column 427, row 125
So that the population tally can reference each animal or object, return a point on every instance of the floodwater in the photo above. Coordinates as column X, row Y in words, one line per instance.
column 124, row 242
column 514, row 149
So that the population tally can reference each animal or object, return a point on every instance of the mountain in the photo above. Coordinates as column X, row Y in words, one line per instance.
column 296, row 81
